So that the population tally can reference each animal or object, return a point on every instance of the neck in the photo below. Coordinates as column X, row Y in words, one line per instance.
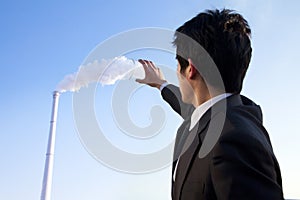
column 202, row 96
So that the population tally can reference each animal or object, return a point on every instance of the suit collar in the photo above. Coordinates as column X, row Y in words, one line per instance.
column 201, row 109
column 219, row 107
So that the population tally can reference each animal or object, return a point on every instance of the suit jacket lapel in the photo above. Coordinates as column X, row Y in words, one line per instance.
column 189, row 150
column 181, row 136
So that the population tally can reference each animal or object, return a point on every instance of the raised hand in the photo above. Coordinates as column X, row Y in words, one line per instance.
column 153, row 76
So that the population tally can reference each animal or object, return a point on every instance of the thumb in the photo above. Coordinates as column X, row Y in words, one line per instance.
column 139, row 80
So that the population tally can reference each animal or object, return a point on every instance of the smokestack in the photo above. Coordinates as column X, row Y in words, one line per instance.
column 48, row 171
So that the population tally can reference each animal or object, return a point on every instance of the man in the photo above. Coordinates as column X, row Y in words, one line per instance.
column 222, row 150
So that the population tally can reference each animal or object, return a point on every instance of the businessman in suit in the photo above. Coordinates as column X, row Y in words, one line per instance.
column 222, row 150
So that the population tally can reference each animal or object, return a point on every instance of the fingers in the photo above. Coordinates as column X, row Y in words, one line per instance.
column 147, row 63
column 152, row 65
column 150, row 69
column 146, row 69
column 153, row 76
column 144, row 65
column 142, row 61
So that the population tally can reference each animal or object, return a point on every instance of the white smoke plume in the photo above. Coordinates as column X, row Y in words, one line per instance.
column 106, row 72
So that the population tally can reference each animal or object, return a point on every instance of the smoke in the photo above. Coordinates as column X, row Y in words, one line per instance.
column 106, row 72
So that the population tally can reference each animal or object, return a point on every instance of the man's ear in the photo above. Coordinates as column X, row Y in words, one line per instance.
column 192, row 69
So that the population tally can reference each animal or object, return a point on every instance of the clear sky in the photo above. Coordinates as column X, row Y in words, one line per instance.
column 43, row 41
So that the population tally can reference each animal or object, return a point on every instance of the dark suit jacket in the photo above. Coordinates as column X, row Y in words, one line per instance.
column 237, row 163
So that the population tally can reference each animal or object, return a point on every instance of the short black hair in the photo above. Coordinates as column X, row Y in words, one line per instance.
column 225, row 36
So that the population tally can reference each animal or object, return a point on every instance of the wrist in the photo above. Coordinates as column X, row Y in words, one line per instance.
column 159, row 85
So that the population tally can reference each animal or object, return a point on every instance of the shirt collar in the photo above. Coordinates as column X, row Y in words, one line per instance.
column 200, row 110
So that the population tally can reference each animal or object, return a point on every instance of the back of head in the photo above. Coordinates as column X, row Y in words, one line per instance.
column 225, row 36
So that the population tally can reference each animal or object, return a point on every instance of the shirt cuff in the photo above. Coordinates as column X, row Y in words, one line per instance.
column 163, row 85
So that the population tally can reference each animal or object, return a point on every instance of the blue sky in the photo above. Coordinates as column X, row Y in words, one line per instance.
column 41, row 42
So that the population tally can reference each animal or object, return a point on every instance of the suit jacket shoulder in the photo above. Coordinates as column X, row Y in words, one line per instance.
column 242, row 161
